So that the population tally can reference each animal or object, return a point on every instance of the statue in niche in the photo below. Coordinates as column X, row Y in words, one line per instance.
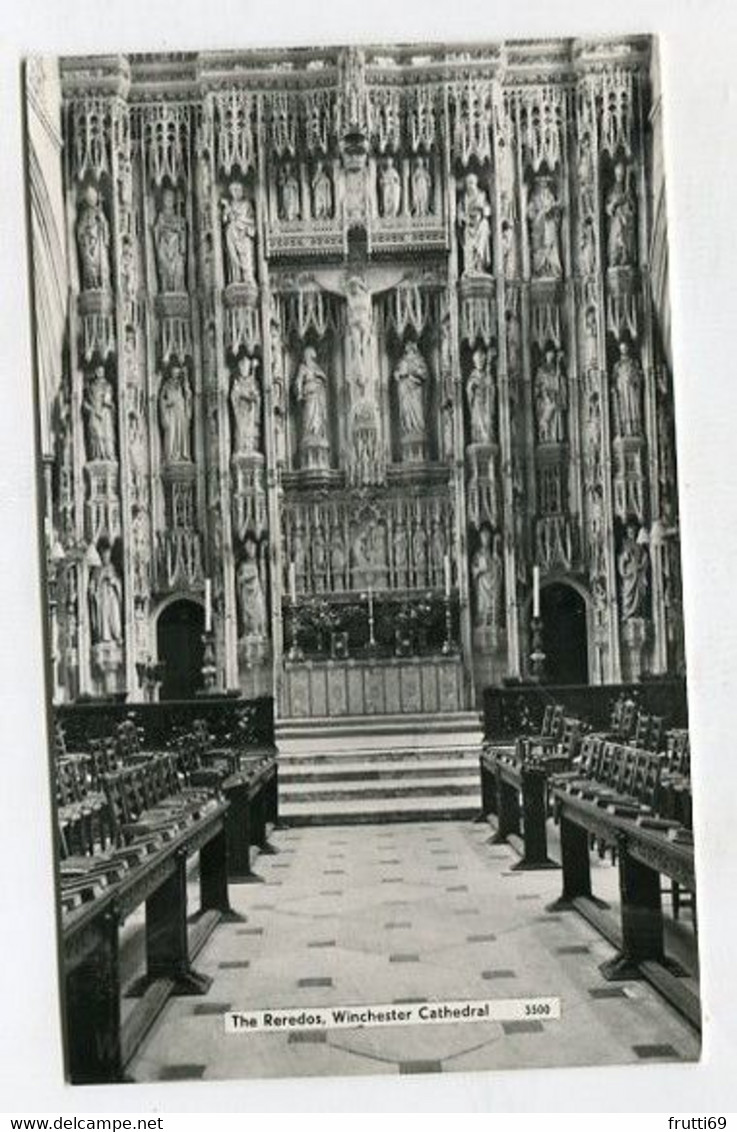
column 240, row 233
column 337, row 560
column 510, row 263
column 598, row 529
column 98, row 407
column 170, row 240
column 486, row 571
column 419, row 554
column 250, row 592
column 401, row 554
column 591, row 339
column 620, row 209
column 322, row 193
column 245, row 398
column 299, row 554
column 480, row 396
column 106, row 598
column 311, row 388
column 514, row 343
column 474, row 213
column 544, row 214
column 390, row 190
column 633, row 564
column 290, row 205
column 628, row 381
column 592, row 438
column 319, row 560
column 411, row 376
column 551, row 398
column 586, row 175
column 421, row 187
column 587, row 248
column 175, row 408
column 358, row 298
column 93, row 239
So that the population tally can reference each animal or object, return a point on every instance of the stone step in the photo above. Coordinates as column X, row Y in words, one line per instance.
column 412, row 728
column 297, row 771
column 368, row 740
column 411, row 757
column 379, row 810
column 425, row 787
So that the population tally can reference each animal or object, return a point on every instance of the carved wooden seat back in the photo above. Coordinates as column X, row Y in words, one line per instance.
column 627, row 719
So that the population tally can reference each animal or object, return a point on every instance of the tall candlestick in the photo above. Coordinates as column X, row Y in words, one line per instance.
column 208, row 605
column 446, row 570
column 535, row 591
column 292, row 583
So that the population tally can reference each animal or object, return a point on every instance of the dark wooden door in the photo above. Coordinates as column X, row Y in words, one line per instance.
column 565, row 636
column 179, row 639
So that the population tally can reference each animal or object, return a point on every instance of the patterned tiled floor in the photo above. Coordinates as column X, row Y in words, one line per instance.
column 381, row 914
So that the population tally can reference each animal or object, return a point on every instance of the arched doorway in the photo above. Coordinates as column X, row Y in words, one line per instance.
column 565, row 635
column 179, row 642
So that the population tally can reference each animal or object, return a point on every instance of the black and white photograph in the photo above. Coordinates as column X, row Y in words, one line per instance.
column 361, row 566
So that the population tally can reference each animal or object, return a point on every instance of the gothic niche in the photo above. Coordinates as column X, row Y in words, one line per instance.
column 105, row 598
column 487, row 584
column 251, row 589
column 98, row 411
column 474, row 222
column 93, row 239
column 544, row 215
column 246, row 403
column 239, row 233
column 411, row 385
column 170, row 242
column 313, row 394
column 620, row 209
column 175, row 413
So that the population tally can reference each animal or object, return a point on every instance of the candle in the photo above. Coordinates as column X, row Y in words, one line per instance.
column 535, row 591
column 208, row 605
column 292, row 583
column 446, row 570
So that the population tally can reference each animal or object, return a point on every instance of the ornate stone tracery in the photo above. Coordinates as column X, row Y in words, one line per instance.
column 365, row 320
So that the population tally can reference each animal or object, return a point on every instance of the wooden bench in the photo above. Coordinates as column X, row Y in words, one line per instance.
column 514, row 788
column 157, row 824
column 612, row 799
column 250, row 783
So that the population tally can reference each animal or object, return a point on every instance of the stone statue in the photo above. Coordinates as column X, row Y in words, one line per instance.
column 486, row 571
column 337, row 560
column 240, row 233
column 633, row 563
column 170, row 240
column 544, row 214
column 358, row 298
column 587, row 248
column 400, row 556
column 551, row 398
column 98, row 407
column 93, row 239
column 591, row 340
column 175, row 407
column 628, row 381
column 620, row 209
column 421, row 187
column 474, row 213
column 510, row 263
column 106, row 599
column 250, row 593
column 245, row 398
column 411, row 375
column 311, row 388
column 322, row 193
column 592, row 438
column 479, row 394
column 290, row 206
column 390, row 190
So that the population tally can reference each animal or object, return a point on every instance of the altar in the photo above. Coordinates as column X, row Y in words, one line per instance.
column 387, row 686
